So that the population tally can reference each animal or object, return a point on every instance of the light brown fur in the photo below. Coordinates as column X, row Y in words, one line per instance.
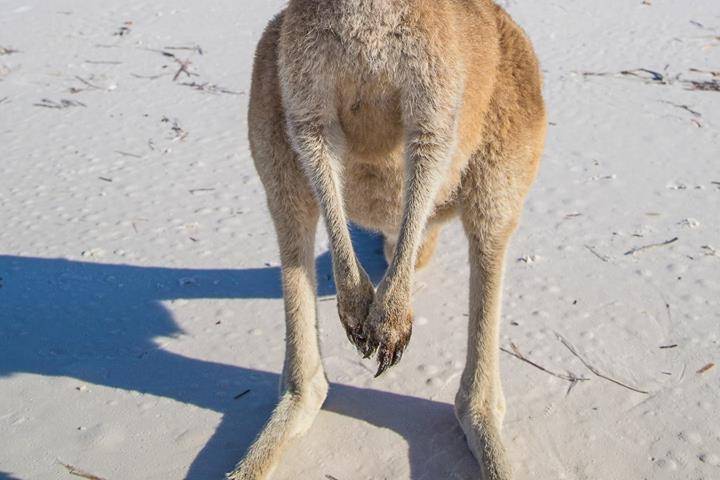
column 396, row 115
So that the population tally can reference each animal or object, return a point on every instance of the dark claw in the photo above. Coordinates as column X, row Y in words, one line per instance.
column 369, row 347
column 353, row 334
column 397, row 356
column 384, row 360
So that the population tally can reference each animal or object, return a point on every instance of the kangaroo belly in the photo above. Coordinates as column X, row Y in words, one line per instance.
column 374, row 191
column 374, row 167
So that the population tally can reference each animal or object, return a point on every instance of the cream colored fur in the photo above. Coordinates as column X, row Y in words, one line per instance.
column 396, row 115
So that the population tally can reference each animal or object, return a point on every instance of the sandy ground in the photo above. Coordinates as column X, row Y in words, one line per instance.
column 141, row 327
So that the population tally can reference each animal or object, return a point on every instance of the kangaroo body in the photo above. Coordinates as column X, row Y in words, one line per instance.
column 397, row 115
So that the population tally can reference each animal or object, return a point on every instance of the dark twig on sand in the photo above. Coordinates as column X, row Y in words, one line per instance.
column 241, row 394
column 128, row 154
column 652, row 245
column 62, row 104
column 184, row 66
column 103, row 62
column 123, row 30
column 8, row 51
column 703, row 85
column 178, row 131
column 79, row 473
column 569, row 377
column 209, row 88
column 646, row 74
column 594, row 370
column 687, row 108
column 649, row 76
column 88, row 83
column 602, row 257
column 194, row 48
column 706, row 368
column 200, row 190
column 657, row 78
column 150, row 77
column 714, row 73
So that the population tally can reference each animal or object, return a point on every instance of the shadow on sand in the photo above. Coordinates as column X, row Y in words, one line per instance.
column 52, row 309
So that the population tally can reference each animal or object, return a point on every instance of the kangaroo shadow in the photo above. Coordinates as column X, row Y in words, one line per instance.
column 7, row 476
column 97, row 323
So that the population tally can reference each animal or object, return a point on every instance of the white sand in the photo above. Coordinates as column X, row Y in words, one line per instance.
column 139, row 269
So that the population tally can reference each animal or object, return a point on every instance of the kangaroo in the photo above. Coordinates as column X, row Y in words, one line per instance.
column 397, row 115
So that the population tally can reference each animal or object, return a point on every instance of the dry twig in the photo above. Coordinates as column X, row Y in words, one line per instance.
column 569, row 377
column 103, row 62
column 241, row 394
column 88, row 83
column 594, row 370
column 128, row 154
column 79, row 473
column 184, row 65
column 657, row 78
column 602, row 257
column 210, row 88
column 687, row 108
column 8, row 51
column 195, row 48
column 706, row 368
column 62, row 104
column 652, row 245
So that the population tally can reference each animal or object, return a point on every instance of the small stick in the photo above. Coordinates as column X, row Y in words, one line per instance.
column 594, row 370
column 103, row 62
column 8, row 51
column 684, row 107
column 648, row 247
column 570, row 377
column 196, row 48
column 705, row 86
column 654, row 76
column 714, row 73
column 210, row 88
column 79, row 473
column 592, row 250
column 150, row 77
column 330, row 477
column 45, row 103
column 242, row 394
column 666, row 347
column 126, row 154
column 184, row 64
column 706, row 368
column 91, row 85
